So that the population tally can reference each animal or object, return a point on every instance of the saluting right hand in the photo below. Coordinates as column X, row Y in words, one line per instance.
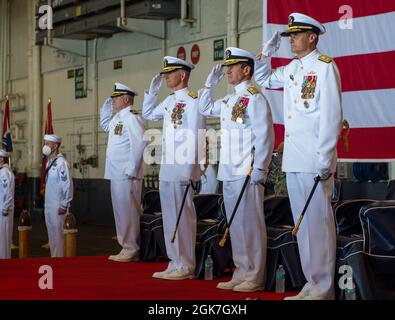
column 215, row 76
column 156, row 83
column 107, row 103
column 270, row 47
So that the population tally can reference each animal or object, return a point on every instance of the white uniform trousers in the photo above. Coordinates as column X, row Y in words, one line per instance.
column 248, row 231
column 6, row 225
column 182, row 252
column 126, row 203
column 54, row 222
column 317, row 235
column 209, row 182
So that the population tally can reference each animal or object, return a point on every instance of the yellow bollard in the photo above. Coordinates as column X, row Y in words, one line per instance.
column 24, row 229
column 70, row 235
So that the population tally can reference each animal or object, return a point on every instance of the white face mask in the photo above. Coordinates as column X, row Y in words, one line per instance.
column 46, row 150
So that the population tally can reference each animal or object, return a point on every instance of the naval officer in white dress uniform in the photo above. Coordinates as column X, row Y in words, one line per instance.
column 313, row 120
column 246, row 122
column 182, row 152
column 124, row 167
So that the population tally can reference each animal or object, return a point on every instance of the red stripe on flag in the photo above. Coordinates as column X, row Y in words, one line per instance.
column 361, row 72
column 6, row 117
column 278, row 134
column 326, row 11
column 278, row 62
column 366, row 71
column 48, row 130
column 364, row 143
column 48, row 123
column 369, row 143
column 6, row 134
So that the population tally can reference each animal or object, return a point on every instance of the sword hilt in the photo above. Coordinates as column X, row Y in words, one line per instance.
column 223, row 240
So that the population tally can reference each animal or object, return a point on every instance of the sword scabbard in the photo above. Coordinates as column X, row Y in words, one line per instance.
column 296, row 228
column 174, row 237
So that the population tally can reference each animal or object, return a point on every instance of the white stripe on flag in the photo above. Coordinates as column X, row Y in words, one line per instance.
column 362, row 109
column 338, row 42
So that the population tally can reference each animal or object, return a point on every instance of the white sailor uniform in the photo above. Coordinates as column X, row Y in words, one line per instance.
column 58, row 194
column 7, row 186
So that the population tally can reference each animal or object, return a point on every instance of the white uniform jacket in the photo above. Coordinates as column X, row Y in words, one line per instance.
column 312, row 110
column 183, row 135
column 59, row 185
column 7, row 186
column 125, row 147
column 246, row 121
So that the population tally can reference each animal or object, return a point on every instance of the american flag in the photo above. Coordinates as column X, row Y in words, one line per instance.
column 6, row 136
column 360, row 37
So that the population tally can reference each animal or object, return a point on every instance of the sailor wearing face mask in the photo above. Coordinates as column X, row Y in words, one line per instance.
column 58, row 192
column 7, row 185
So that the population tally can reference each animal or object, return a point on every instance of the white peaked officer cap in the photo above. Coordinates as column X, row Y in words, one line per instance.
column 120, row 90
column 171, row 64
column 298, row 22
column 236, row 55
column 53, row 138
column 3, row 153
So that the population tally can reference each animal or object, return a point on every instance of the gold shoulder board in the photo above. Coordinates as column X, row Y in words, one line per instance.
column 193, row 94
column 253, row 90
column 325, row 59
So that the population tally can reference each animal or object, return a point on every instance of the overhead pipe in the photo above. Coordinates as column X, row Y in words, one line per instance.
column 86, row 68
column 186, row 19
column 3, row 45
column 164, row 40
column 183, row 13
column 8, row 47
column 49, row 31
column 3, row 52
column 35, row 94
column 123, row 12
column 95, row 93
column 232, row 19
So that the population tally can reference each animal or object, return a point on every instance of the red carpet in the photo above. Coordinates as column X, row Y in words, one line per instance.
column 98, row 278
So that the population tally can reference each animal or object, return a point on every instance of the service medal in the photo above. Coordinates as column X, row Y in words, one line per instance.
column 118, row 129
column 176, row 114
column 308, row 86
column 238, row 111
